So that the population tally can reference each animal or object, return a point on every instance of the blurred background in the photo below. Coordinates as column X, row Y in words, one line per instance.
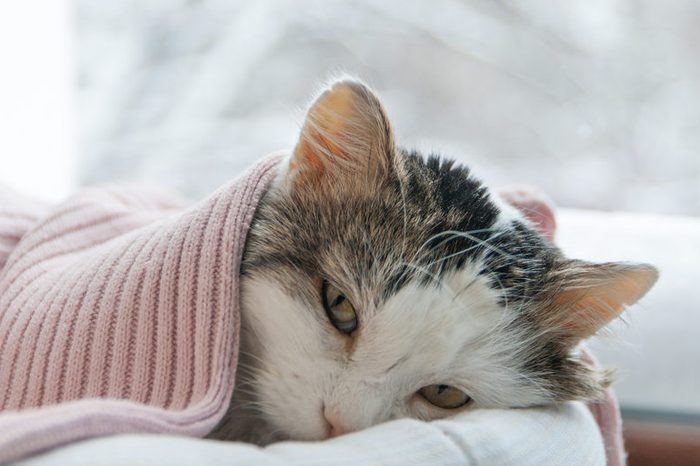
column 595, row 101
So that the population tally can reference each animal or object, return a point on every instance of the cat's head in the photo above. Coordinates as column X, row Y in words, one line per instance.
column 379, row 284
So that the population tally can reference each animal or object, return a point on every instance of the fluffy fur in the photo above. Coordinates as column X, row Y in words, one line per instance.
column 450, row 286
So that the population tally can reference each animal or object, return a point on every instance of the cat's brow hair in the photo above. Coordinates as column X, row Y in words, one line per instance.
column 442, row 215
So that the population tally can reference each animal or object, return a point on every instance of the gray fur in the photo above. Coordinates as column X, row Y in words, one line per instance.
column 488, row 300
column 377, row 242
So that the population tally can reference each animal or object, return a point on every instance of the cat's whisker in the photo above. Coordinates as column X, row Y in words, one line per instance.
column 464, row 288
column 424, row 271
column 485, row 243
column 250, row 354
column 463, row 251
column 451, row 235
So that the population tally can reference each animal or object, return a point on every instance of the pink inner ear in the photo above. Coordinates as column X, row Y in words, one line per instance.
column 536, row 206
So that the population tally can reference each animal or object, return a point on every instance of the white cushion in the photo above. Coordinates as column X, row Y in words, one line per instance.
column 546, row 436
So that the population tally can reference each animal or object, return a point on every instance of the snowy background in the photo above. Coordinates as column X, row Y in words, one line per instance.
column 596, row 101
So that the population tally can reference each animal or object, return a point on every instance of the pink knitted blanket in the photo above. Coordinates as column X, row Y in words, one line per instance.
column 119, row 313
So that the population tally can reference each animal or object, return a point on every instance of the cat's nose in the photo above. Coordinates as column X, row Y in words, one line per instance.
column 334, row 423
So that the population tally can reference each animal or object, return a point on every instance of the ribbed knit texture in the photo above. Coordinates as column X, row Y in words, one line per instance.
column 119, row 312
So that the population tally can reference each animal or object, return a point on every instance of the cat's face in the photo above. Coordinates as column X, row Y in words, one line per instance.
column 379, row 285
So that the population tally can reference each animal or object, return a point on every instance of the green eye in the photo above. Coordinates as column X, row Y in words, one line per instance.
column 444, row 396
column 340, row 310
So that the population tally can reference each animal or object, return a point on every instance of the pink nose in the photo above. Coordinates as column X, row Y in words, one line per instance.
column 335, row 426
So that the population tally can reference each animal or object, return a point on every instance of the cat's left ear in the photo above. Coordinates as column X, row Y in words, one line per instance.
column 584, row 297
column 534, row 205
column 346, row 139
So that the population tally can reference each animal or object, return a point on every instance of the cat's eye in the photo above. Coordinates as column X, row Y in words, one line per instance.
column 340, row 310
column 444, row 396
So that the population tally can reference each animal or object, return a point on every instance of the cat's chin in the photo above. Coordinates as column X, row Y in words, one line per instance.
column 242, row 423
column 256, row 430
column 289, row 429
column 241, row 426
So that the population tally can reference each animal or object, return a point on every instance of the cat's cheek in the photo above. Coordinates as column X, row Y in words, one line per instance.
column 298, row 426
column 290, row 400
column 287, row 355
column 291, row 409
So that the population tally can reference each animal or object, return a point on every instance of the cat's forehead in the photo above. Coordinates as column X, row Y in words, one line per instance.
column 437, row 221
column 431, row 219
column 422, row 320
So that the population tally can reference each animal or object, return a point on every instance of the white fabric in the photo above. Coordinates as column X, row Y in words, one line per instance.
column 565, row 435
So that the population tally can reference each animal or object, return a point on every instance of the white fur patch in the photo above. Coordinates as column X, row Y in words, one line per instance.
column 452, row 333
column 507, row 213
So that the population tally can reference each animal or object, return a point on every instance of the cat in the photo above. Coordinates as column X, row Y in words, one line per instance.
column 380, row 284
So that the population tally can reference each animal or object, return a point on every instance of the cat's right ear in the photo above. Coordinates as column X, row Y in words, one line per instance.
column 346, row 140
column 583, row 297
